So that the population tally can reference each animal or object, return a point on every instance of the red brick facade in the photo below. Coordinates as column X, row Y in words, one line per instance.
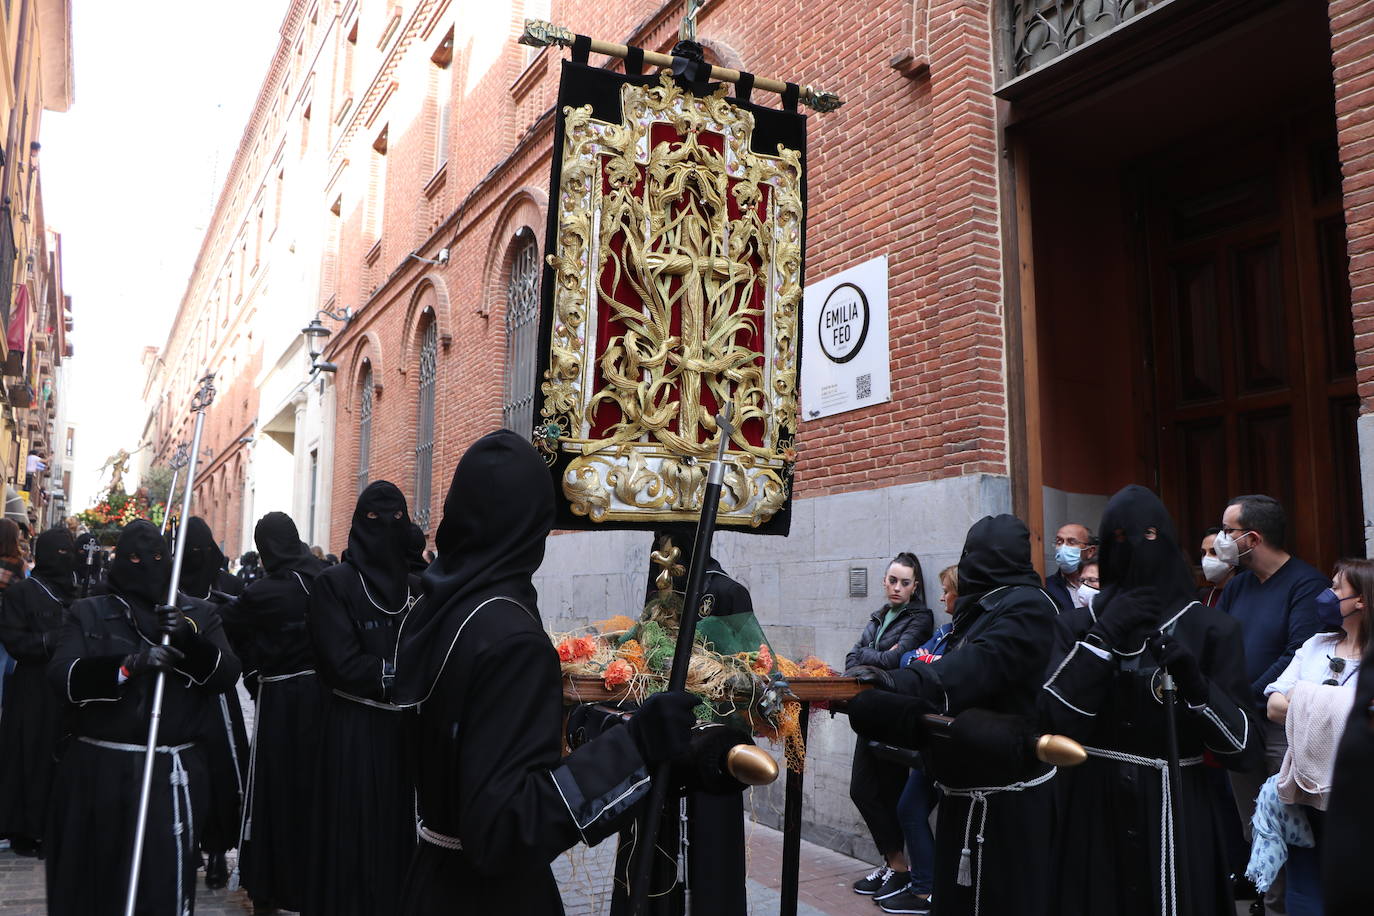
column 912, row 167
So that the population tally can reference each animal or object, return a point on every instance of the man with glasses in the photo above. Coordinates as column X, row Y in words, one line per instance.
column 1274, row 597
column 1074, row 548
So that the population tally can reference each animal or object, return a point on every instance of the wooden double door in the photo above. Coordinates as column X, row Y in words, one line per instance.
column 1249, row 335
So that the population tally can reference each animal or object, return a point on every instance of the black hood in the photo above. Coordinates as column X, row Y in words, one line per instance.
column 280, row 547
column 415, row 548
column 497, row 515
column 201, row 563
column 1128, row 559
column 145, row 582
column 54, row 555
column 996, row 554
column 377, row 546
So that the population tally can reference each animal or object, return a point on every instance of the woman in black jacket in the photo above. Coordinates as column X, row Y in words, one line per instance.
column 875, row 784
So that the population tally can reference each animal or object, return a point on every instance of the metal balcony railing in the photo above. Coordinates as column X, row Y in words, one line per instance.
column 1041, row 30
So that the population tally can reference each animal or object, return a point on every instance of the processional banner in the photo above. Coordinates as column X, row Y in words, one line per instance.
column 673, row 286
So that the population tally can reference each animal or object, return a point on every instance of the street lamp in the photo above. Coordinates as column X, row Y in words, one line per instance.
column 315, row 333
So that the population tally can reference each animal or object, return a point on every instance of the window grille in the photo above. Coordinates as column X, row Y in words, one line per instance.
column 424, row 426
column 522, row 328
column 365, row 430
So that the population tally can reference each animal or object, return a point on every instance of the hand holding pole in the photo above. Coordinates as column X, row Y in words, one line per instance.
column 199, row 404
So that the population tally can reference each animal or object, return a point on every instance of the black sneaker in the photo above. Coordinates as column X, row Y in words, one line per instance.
column 875, row 880
column 906, row 901
column 897, row 881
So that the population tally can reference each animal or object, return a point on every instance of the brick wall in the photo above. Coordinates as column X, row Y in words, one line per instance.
column 1352, row 58
column 906, row 168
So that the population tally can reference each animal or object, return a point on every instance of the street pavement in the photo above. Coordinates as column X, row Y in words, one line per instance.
column 584, row 874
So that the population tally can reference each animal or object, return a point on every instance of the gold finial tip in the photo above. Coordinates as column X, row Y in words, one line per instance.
column 751, row 765
column 1060, row 751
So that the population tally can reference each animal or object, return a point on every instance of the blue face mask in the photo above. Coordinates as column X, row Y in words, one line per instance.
column 1329, row 608
column 1068, row 558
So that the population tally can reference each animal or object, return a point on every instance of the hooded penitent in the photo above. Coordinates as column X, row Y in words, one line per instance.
column 54, row 555
column 1140, row 549
column 142, row 567
column 280, row 546
column 377, row 543
column 996, row 554
column 415, row 548
column 201, row 565
column 497, row 516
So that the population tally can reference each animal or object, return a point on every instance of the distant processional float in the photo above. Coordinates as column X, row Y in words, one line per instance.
column 672, row 287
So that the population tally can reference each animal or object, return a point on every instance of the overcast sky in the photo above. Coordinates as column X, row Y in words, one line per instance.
column 130, row 176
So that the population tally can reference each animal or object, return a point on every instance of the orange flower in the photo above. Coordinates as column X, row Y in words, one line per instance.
column 764, row 663
column 584, row 647
column 618, row 672
column 633, row 653
column 565, row 651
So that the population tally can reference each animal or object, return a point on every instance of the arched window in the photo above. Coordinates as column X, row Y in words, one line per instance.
column 424, row 424
column 522, row 329
column 364, row 429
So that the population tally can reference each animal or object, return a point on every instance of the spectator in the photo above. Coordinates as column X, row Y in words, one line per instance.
column 1216, row 571
column 250, row 568
column 1089, row 584
column 876, row 784
column 34, row 466
column 317, row 552
column 1329, row 659
column 1073, row 546
column 12, row 569
column 1274, row 597
column 919, row 798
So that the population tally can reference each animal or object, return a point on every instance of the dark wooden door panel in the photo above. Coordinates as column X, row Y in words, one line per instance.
column 1259, row 317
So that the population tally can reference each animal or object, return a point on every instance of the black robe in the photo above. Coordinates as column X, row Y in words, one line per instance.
column 90, row 828
column 1110, row 829
column 267, row 624
column 226, row 753
column 363, row 829
column 998, row 651
column 32, row 614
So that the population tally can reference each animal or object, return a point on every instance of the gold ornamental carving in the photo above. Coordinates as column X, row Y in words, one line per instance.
column 677, row 290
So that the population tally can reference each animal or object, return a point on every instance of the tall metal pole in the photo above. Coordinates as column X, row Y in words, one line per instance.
column 199, row 403
column 682, row 658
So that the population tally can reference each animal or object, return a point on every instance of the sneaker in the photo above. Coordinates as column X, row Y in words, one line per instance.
column 906, row 901
column 897, row 881
column 876, row 878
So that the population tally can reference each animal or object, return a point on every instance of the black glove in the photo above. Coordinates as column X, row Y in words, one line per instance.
column 867, row 674
column 890, row 718
column 994, row 737
column 151, row 659
column 662, row 727
column 1125, row 622
column 705, row 769
column 1175, row 657
column 171, row 620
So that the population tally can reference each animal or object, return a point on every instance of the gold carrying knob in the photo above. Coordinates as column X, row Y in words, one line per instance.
column 1060, row 751
column 751, row 765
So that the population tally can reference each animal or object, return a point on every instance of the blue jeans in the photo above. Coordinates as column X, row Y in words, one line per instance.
column 918, row 799
column 1304, row 894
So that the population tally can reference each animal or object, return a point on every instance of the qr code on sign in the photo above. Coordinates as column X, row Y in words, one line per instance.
column 864, row 386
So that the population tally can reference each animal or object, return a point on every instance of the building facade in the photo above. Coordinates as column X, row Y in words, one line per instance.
column 1122, row 247
column 36, row 76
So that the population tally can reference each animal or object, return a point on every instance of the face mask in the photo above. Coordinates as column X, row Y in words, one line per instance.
column 1086, row 594
column 1329, row 608
column 1214, row 570
column 1228, row 551
column 1068, row 558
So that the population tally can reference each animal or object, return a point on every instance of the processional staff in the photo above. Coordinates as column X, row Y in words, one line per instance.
column 180, row 458
column 199, row 404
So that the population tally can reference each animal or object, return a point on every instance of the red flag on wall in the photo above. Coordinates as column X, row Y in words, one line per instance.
column 14, row 339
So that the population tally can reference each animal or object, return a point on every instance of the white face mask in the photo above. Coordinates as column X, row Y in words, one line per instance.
column 1214, row 570
column 1086, row 594
column 1227, row 548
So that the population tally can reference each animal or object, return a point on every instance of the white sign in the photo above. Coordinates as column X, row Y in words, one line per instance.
column 845, row 363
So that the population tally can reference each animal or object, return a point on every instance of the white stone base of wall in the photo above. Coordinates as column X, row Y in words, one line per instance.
column 800, row 588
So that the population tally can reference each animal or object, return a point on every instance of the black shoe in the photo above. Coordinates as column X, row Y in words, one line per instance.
column 264, row 908
column 216, row 871
column 897, row 881
column 906, row 901
column 876, row 878
column 24, row 846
